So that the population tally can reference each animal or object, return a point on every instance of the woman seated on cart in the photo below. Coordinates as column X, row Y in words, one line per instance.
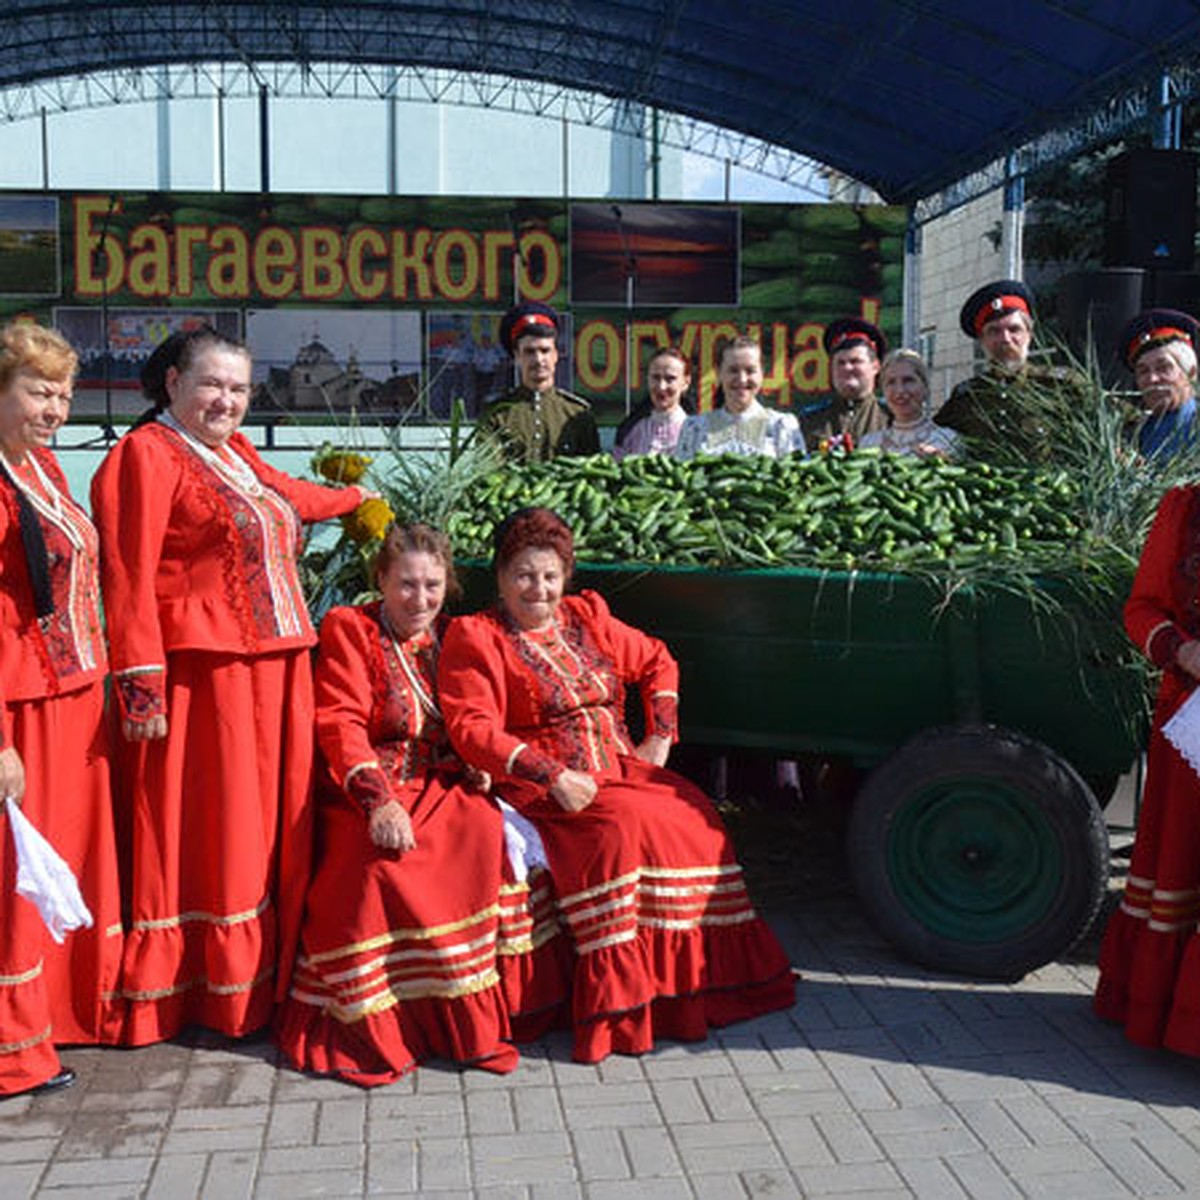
column 413, row 945
column 666, row 940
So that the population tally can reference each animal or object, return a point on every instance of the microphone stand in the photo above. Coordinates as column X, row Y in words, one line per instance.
column 108, row 430
column 630, row 267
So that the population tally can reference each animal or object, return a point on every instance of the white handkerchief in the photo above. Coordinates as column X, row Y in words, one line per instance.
column 1183, row 730
column 522, row 842
column 45, row 879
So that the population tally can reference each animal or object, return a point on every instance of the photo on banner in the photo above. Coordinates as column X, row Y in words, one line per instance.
column 336, row 361
column 114, row 343
column 654, row 254
column 29, row 246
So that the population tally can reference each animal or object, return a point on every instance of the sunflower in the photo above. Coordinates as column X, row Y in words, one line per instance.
column 369, row 521
column 341, row 466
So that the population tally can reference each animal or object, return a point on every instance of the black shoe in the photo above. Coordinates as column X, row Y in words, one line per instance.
column 55, row 1083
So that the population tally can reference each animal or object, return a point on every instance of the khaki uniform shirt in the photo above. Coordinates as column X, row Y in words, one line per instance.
column 833, row 415
column 533, row 428
column 1016, row 409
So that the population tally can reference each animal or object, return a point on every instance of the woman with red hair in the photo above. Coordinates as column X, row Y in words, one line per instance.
column 666, row 940
column 431, row 952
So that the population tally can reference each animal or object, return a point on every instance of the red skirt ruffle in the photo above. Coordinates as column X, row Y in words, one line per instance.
column 533, row 957
column 27, row 1054
column 68, row 993
column 220, row 842
column 1150, row 955
column 424, row 956
column 666, row 940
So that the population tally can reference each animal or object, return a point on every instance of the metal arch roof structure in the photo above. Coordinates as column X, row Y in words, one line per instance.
column 924, row 100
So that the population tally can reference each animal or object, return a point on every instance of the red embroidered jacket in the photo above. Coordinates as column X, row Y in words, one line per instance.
column 185, row 561
column 511, row 712
column 375, row 737
column 59, row 654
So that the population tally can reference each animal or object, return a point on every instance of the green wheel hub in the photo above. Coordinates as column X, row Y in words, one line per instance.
column 974, row 859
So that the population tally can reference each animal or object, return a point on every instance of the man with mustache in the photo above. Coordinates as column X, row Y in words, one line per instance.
column 1159, row 348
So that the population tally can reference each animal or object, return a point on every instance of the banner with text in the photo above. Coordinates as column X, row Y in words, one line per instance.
column 390, row 306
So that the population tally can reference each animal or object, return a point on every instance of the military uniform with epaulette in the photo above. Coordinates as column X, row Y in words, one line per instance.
column 1019, row 409
column 1017, row 405
column 836, row 415
column 534, row 428
column 537, row 420
column 832, row 416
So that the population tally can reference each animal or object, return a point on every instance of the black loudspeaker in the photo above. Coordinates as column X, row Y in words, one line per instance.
column 1093, row 306
column 1150, row 210
column 1173, row 289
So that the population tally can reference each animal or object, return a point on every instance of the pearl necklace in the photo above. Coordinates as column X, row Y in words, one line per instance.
column 231, row 467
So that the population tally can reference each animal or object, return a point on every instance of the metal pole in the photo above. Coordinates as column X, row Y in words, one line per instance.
column 162, row 122
column 630, row 284
column 566, row 158
column 1168, row 129
column 393, row 177
column 101, row 261
column 219, row 141
column 912, row 282
column 264, row 140
column 1013, row 222
column 654, row 155
column 45, row 152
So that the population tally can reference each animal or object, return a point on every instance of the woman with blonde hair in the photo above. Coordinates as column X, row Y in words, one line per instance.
column 53, row 744
column 910, row 428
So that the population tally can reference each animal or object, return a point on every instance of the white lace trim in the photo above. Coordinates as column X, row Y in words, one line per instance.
column 1183, row 730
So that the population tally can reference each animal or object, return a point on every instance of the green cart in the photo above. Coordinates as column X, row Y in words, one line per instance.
column 993, row 724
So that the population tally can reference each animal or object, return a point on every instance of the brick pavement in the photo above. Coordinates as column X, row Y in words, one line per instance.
column 884, row 1080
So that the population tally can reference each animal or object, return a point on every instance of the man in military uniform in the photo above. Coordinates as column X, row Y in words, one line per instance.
column 1159, row 348
column 855, row 348
column 536, row 421
column 1013, row 403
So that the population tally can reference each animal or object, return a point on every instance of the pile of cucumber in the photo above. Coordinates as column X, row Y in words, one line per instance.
column 863, row 509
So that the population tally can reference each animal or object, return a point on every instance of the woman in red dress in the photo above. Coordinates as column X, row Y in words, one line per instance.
column 1150, row 955
column 53, row 743
column 666, row 940
column 210, row 641
column 407, row 964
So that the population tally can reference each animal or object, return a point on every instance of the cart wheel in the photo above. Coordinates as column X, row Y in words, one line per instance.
column 978, row 851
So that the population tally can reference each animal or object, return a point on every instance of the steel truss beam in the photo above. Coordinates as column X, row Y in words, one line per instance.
column 411, row 84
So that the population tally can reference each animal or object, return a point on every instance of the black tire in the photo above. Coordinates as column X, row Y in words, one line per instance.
column 978, row 851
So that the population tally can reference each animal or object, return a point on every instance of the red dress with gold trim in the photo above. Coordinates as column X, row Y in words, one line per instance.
column 666, row 940
column 52, row 710
column 407, row 964
column 1150, row 955
column 207, row 625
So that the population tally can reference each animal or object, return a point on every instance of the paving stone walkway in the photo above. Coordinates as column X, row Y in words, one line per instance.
column 884, row 1080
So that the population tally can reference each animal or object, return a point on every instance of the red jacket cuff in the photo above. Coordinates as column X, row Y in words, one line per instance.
column 534, row 767
column 1164, row 645
column 142, row 695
